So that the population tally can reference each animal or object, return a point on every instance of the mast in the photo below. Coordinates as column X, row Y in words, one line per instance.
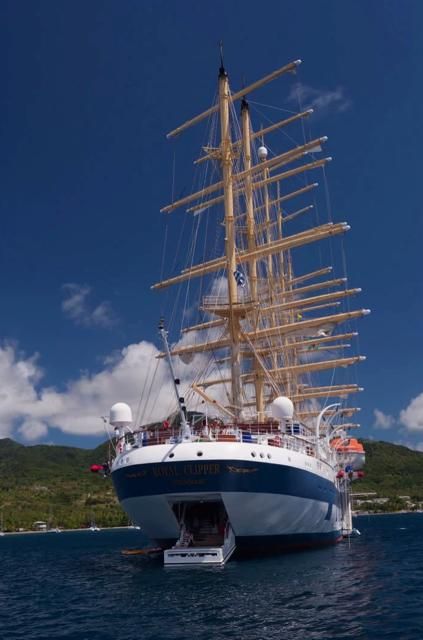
column 251, row 242
column 289, row 348
column 262, row 152
column 230, row 248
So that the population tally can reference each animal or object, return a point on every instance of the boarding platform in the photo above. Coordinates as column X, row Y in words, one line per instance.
column 190, row 552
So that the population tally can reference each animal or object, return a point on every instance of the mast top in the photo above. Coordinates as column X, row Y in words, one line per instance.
column 222, row 70
column 288, row 68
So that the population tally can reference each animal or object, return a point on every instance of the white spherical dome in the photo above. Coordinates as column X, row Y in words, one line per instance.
column 262, row 152
column 120, row 414
column 282, row 408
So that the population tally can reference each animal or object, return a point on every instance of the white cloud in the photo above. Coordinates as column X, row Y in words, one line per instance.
column 383, row 420
column 18, row 377
column 414, row 446
column 33, row 430
column 324, row 101
column 79, row 407
column 77, row 307
column 412, row 416
column 29, row 409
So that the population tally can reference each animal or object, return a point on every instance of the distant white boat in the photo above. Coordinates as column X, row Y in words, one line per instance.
column 50, row 528
column 93, row 526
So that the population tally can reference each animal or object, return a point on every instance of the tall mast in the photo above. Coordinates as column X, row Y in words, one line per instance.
column 286, row 277
column 266, row 174
column 251, row 240
column 268, row 237
column 230, row 249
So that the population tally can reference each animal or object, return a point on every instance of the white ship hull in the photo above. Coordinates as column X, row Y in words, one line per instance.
column 273, row 497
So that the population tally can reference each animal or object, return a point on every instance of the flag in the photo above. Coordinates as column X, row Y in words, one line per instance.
column 240, row 278
column 186, row 358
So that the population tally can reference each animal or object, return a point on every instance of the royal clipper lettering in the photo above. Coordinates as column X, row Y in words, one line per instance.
column 190, row 469
column 202, row 469
column 165, row 471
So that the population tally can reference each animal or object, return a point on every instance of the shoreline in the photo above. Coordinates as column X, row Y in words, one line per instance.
column 356, row 514
column 382, row 513
column 30, row 532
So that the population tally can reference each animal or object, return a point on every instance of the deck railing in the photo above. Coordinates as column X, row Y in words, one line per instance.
column 254, row 434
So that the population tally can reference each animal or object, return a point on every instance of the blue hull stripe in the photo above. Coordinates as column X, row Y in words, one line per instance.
column 221, row 476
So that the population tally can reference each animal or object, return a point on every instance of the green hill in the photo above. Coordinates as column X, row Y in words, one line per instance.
column 392, row 470
column 55, row 484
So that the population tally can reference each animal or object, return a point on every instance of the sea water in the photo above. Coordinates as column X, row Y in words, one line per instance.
column 78, row 585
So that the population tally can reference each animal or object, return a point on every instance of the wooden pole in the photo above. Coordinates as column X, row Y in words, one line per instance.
column 230, row 249
column 245, row 118
column 251, row 239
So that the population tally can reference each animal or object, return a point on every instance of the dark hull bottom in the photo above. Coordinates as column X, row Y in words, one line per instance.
column 261, row 546
column 249, row 546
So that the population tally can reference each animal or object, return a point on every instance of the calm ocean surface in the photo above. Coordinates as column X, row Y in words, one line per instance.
column 78, row 585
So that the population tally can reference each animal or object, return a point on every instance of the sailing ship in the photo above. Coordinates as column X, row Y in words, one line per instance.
column 262, row 468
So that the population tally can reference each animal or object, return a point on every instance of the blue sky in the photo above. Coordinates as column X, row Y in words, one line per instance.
column 89, row 91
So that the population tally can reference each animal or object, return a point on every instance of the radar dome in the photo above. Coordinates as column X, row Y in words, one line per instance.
column 120, row 415
column 262, row 152
column 282, row 408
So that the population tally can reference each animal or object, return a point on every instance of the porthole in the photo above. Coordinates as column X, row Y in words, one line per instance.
column 199, row 453
column 269, row 455
column 253, row 453
column 262, row 455
column 171, row 455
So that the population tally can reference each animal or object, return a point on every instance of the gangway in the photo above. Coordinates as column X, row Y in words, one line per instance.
column 185, row 553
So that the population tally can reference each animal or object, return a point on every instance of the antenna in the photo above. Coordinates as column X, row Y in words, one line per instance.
column 222, row 70
column 185, row 427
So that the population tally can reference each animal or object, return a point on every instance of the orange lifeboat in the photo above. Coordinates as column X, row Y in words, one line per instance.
column 347, row 445
column 350, row 450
